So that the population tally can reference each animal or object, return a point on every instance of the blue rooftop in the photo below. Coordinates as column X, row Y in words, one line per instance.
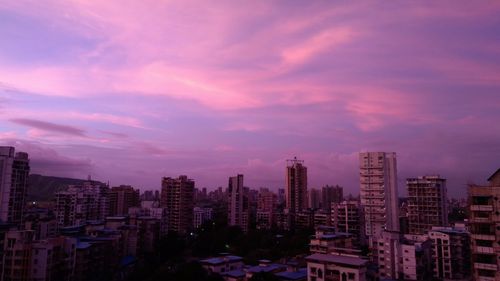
column 235, row 273
column 293, row 275
column 128, row 260
column 266, row 268
column 219, row 260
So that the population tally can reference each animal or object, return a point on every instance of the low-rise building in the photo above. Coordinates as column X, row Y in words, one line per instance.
column 222, row 264
column 326, row 267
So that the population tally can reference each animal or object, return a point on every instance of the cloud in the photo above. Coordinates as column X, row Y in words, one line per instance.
column 50, row 127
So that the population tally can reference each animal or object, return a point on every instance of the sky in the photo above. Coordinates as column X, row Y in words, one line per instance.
column 131, row 91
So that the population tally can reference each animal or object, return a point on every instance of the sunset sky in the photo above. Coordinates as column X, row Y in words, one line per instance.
column 130, row 91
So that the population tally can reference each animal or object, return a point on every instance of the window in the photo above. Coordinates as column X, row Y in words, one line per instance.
column 351, row 276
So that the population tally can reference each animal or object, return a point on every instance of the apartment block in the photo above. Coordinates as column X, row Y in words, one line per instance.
column 427, row 203
column 177, row 195
column 484, row 225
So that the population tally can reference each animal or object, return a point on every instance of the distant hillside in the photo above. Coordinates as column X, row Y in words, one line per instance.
column 42, row 188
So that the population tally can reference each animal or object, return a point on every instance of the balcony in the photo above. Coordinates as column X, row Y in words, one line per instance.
column 485, row 278
column 481, row 220
column 483, row 250
column 489, row 237
column 486, row 266
column 486, row 208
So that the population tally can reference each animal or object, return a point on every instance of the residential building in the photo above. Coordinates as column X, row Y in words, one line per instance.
column 266, row 208
column 222, row 264
column 296, row 186
column 328, row 267
column 331, row 194
column 327, row 241
column 79, row 204
column 347, row 216
column 238, row 208
column 379, row 193
column 201, row 216
column 14, row 173
column 451, row 253
column 484, row 225
column 177, row 196
column 427, row 202
column 121, row 198
column 314, row 198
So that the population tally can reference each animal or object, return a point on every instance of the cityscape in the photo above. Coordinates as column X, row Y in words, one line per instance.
column 93, row 231
column 275, row 140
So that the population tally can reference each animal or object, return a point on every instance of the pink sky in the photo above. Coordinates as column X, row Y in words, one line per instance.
column 130, row 91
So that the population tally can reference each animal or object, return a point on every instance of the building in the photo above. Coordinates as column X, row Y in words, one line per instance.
column 379, row 192
column 484, row 225
column 405, row 257
column 451, row 253
column 79, row 204
column 121, row 198
column 14, row 173
column 17, row 255
column 53, row 259
column 222, row 264
column 327, row 241
column 296, row 186
column 238, row 209
column 331, row 194
column 201, row 216
column 177, row 195
column 347, row 216
column 427, row 203
column 267, row 202
column 314, row 198
column 327, row 267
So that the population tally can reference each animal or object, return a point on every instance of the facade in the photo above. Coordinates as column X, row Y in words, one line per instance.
column 331, row 194
column 427, row 203
column 327, row 267
column 201, row 215
column 14, row 173
column 451, row 253
column 267, row 203
column 327, row 241
column 405, row 257
column 379, row 192
column 314, row 198
column 484, row 225
column 177, row 195
column 238, row 209
column 347, row 217
column 79, row 204
column 296, row 186
column 121, row 198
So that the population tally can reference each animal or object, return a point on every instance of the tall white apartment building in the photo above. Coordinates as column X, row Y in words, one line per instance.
column 379, row 192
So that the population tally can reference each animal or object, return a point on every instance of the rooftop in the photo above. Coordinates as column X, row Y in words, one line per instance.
column 343, row 260
column 293, row 275
column 266, row 268
column 219, row 260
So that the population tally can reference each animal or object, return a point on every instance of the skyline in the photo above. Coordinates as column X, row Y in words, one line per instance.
column 134, row 92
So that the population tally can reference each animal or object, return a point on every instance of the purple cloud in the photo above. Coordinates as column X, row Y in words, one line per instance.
column 48, row 126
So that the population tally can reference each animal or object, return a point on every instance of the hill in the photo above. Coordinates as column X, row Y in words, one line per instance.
column 43, row 188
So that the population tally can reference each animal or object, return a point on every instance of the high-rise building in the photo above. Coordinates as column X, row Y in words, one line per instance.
column 79, row 204
column 238, row 209
column 379, row 192
column 314, row 198
column 267, row 202
column 426, row 203
column 331, row 194
column 121, row 198
column 177, row 195
column 296, row 186
column 484, row 225
column 14, row 173
column 451, row 253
